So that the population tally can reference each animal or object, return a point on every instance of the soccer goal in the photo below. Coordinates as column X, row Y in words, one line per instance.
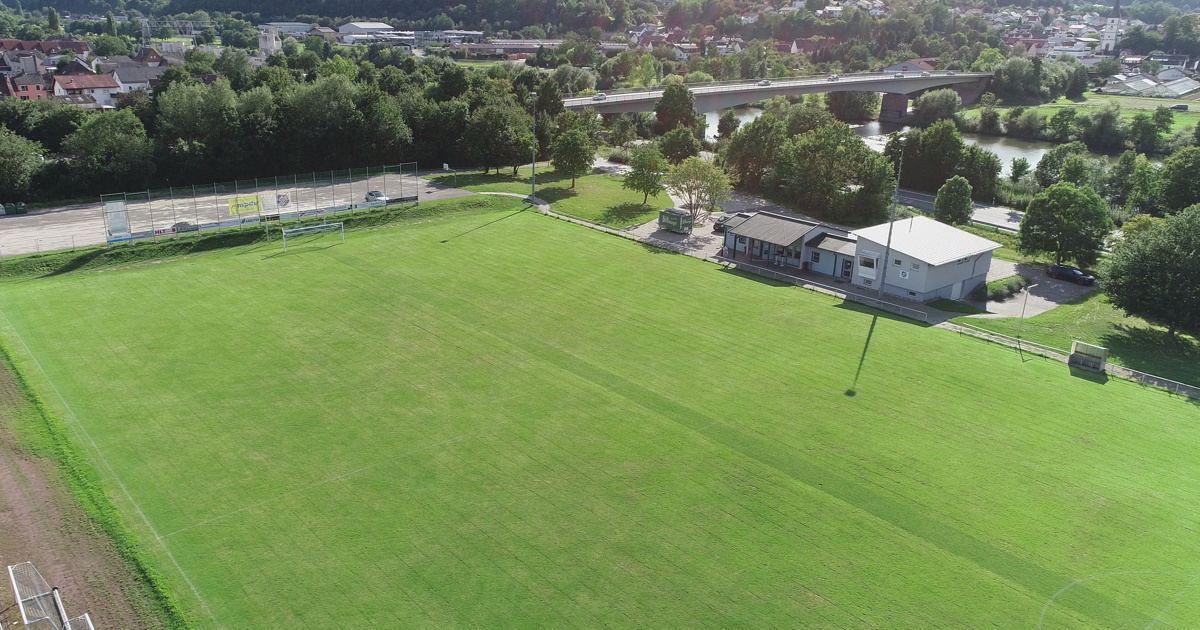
column 40, row 605
column 313, row 229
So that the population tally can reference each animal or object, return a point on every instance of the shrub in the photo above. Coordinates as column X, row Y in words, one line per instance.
column 620, row 155
column 1002, row 289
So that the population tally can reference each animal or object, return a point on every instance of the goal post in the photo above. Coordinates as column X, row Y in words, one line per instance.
column 39, row 603
column 313, row 229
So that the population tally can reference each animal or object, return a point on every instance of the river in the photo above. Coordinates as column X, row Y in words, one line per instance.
column 875, row 134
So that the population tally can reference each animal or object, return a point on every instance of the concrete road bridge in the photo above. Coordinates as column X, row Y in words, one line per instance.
column 895, row 87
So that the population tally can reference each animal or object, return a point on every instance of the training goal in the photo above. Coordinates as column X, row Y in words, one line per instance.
column 297, row 232
column 40, row 605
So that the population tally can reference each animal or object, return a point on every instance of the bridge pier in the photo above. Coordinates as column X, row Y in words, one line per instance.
column 893, row 108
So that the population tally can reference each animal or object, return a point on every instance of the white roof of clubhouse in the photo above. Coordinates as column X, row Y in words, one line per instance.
column 928, row 240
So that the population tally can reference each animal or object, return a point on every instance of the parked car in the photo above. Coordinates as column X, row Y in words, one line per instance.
column 768, row 82
column 375, row 195
column 1180, row 107
column 898, row 75
column 600, row 97
column 1070, row 274
column 832, row 77
column 719, row 226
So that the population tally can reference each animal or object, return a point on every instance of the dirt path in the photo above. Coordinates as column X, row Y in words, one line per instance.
column 40, row 523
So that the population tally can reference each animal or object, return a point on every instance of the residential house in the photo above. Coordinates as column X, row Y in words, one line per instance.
column 77, row 67
column 683, row 51
column 813, row 44
column 1170, row 61
column 102, row 87
column 29, row 87
column 150, row 57
column 138, row 78
column 928, row 259
column 17, row 62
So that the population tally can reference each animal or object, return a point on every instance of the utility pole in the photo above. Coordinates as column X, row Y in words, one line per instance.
column 533, row 152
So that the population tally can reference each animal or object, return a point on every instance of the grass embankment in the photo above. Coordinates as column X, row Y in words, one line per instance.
column 189, row 244
column 598, row 197
column 1131, row 341
column 495, row 421
column 1010, row 244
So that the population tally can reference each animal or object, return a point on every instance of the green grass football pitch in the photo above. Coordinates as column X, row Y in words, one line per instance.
column 504, row 420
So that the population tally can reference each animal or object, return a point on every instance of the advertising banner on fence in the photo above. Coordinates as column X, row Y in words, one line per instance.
column 245, row 205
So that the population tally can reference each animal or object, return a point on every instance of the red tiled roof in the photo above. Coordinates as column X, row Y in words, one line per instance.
column 86, row 82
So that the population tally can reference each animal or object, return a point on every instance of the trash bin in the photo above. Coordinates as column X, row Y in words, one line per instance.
column 9, row 208
column 21, row 208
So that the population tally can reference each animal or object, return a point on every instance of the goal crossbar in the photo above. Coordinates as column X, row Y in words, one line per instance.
column 40, row 604
column 313, row 229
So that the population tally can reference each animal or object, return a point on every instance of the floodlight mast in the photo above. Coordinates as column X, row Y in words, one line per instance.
column 533, row 153
column 887, row 252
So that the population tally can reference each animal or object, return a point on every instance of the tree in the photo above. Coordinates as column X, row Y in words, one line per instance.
column 110, row 26
column 981, row 168
column 806, row 116
column 235, row 66
column 1018, row 169
column 852, row 106
column 753, row 149
column 727, row 124
column 1143, row 133
column 677, row 107
column 831, row 171
column 1153, row 271
column 573, row 153
column 1180, row 179
column 1150, row 66
column 1062, row 124
column 19, row 160
column 953, row 204
column 647, row 166
column 699, row 183
column 679, row 144
column 936, row 105
column 1068, row 222
column 1077, row 82
column 1141, row 223
column 1164, row 119
column 1108, row 67
column 110, row 153
column 1049, row 167
column 53, row 23
column 498, row 135
column 108, row 45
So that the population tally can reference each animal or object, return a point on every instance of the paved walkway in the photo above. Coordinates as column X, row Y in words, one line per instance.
column 1047, row 292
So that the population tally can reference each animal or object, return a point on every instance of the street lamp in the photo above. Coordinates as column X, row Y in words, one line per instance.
column 1021, row 323
column 533, row 153
column 887, row 252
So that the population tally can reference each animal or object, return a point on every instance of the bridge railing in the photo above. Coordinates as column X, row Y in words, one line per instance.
column 621, row 94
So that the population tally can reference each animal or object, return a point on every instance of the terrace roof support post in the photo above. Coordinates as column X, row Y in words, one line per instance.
column 887, row 252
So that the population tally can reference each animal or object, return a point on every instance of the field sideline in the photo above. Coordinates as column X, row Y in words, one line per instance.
column 503, row 420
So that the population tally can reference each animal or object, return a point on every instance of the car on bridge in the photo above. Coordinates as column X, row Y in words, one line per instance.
column 600, row 97
column 898, row 75
column 832, row 77
column 765, row 82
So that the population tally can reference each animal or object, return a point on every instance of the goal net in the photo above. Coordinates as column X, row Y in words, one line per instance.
column 307, row 230
column 40, row 605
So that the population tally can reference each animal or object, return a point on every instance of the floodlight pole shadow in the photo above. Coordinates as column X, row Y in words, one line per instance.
column 853, row 391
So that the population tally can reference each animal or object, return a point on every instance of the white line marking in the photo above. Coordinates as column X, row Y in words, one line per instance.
column 1064, row 589
column 111, row 471
column 1172, row 602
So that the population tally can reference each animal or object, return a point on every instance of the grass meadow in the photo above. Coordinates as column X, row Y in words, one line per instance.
column 504, row 420
column 1131, row 341
column 597, row 197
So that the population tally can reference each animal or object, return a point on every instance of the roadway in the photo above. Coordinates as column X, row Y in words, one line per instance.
column 713, row 97
column 995, row 216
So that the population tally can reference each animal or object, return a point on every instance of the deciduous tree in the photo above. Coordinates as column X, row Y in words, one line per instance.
column 754, row 149
column 573, row 153
column 19, row 160
column 679, row 144
column 1067, row 222
column 953, row 204
column 1181, row 179
column 699, row 183
column 677, row 107
column 647, row 166
column 1153, row 273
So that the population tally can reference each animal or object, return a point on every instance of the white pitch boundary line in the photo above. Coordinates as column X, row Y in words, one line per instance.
column 1064, row 589
column 1173, row 601
column 111, row 471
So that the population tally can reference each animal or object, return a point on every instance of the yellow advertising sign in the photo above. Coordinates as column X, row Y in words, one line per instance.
column 245, row 205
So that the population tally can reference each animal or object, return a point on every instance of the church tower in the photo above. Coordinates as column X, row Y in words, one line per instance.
column 1114, row 27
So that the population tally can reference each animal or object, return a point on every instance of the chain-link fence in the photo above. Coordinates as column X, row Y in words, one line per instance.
column 161, row 213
